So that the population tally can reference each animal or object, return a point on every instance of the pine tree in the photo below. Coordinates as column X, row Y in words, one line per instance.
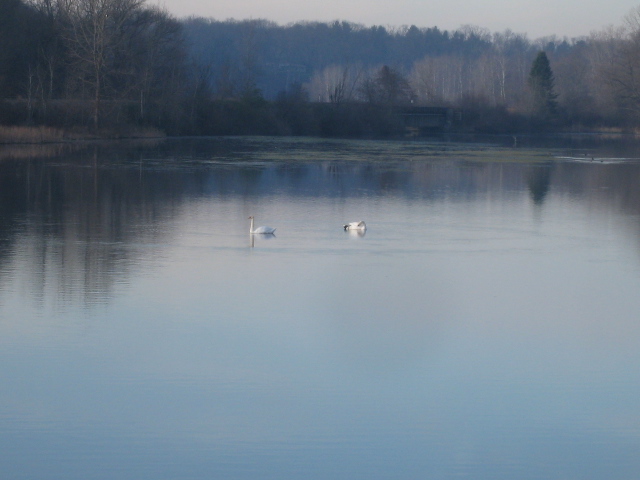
column 541, row 82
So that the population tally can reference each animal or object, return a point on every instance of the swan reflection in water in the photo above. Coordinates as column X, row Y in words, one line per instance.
column 261, row 238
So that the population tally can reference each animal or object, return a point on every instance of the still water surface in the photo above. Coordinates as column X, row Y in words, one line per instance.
column 486, row 326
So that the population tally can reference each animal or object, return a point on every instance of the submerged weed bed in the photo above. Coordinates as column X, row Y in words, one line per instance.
column 288, row 149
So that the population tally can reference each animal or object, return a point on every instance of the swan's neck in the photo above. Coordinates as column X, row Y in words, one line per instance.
column 251, row 226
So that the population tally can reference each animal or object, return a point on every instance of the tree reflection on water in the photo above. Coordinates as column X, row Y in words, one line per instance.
column 76, row 211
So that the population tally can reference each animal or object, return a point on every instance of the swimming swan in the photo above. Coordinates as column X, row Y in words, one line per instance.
column 355, row 226
column 265, row 230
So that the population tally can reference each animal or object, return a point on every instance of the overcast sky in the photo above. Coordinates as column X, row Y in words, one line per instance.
column 537, row 18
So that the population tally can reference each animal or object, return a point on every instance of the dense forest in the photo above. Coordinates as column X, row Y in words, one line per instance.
column 122, row 66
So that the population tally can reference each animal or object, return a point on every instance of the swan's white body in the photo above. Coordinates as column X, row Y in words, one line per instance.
column 263, row 230
column 356, row 226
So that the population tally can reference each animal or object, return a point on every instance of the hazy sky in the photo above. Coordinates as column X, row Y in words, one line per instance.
column 537, row 18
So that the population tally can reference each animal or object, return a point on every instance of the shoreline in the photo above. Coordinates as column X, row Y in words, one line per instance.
column 41, row 135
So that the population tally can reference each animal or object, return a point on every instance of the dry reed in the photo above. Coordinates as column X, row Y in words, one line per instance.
column 30, row 135
column 38, row 135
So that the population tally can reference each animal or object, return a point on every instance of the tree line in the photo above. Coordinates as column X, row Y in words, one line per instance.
column 122, row 64
column 92, row 63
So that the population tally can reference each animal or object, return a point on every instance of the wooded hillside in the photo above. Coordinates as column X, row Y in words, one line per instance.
column 122, row 64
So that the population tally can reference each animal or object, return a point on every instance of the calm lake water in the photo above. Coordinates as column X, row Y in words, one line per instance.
column 486, row 325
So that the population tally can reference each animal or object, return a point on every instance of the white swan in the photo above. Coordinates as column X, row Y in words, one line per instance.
column 355, row 226
column 264, row 230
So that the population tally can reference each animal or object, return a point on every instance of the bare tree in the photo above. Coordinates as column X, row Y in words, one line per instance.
column 335, row 84
column 440, row 79
column 622, row 70
column 425, row 82
column 225, row 84
column 603, row 53
column 151, row 62
column 576, row 84
column 249, row 68
column 95, row 33
column 49, row 63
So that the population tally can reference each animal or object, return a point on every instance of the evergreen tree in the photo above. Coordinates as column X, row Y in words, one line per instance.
column 541, row 82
